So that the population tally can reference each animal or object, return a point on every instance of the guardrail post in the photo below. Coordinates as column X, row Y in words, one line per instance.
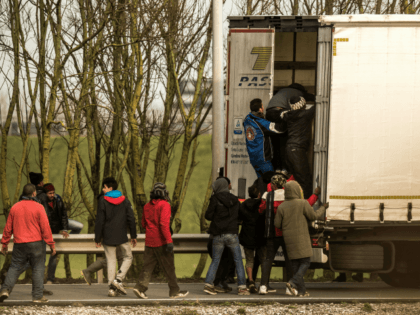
column 100, row 276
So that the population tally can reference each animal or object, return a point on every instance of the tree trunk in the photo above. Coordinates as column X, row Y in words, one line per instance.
column 67, row 266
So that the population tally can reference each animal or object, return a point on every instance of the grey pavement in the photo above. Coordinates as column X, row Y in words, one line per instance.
column 96, row 294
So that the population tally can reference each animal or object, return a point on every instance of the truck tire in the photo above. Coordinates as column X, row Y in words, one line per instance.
column 357, row 257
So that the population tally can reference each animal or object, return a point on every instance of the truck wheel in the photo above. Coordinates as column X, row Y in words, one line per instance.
column 357, row 257
column 401, row 280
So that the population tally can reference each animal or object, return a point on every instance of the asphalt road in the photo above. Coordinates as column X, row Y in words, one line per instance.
column 69, row 294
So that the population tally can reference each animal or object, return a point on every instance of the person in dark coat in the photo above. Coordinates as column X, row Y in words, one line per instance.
column 249, row 216
column 278, row 105
column 114, row 217
column 223, row 213
column 292, row 218
column 299, row 130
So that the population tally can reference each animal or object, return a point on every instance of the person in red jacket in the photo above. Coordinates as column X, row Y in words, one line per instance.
column 28, row 223
column 269, row 204
column 159, row 245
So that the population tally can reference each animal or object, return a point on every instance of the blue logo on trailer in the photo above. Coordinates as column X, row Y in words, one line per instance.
column 237, row 132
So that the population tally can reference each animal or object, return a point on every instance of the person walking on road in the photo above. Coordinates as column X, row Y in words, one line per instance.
column 114, row 217
column 159, row 247
column 292, row 218
column 223, row 212
column 258, row 143
column 59, row 223
column 28, row 223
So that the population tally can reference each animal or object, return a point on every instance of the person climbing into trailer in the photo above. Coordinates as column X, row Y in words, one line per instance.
column 271, row 200
column 258, row 143
column 292, row 218
column 299, row 128
column 278, row 105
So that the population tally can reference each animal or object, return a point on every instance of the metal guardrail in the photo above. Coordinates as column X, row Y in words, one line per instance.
column 85, row 244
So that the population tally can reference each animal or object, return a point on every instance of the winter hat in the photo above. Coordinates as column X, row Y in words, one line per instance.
column 278, row 180
column 35, row 178
column 159, row 189
column 49, row 187
column 296, row 104
column 220, row 185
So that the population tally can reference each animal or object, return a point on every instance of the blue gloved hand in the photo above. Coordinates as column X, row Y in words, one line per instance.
column 170, row 247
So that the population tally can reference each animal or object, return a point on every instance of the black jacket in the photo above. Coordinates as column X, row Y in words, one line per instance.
column 249, row 215
column 299, row 127
column 223, row 212
column 57, row 214
column 113, row 219
column 283, row 96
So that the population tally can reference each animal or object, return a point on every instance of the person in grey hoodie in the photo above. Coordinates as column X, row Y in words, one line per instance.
column 223, row 213
column 292, row 218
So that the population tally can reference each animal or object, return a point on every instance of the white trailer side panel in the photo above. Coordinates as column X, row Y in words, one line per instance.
column 250, row 64
column 374, row 140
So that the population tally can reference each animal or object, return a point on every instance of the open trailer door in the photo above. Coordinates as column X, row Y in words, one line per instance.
column 322, row 100
column 250, row 67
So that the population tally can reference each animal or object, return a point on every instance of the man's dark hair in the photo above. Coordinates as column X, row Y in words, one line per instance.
column 255, row 105
column 253, row 191
column 110, row 182
column 28, row 190
column 297, row 86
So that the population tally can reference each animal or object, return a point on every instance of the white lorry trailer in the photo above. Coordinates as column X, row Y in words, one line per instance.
column 365, row 73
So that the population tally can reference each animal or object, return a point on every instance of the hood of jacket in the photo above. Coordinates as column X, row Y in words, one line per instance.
column 157, row 201
column 292, row 190
column 227, row 199
column 115, row 197
column 220, row 185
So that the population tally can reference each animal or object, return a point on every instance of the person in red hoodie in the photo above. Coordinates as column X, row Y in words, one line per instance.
column 28, row 223
column 269, row 204
column 159, row 247
column 114, row 217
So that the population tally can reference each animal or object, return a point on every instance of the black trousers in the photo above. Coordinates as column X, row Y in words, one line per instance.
column 297, row 160
column 273, row 245
column 153, row 256
column 279, row 151
column 225, row 265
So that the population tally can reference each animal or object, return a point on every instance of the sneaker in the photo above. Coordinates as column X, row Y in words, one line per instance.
column 118, row 285
column 225, row 286
column 210, row 290
column 220, row 289
column 113, row 293
column 288, row 291
column 49, row 282
column 271, row 290
column 47, row 292
column 4, row 294
column 86, row 274
column 262, row 290
column 305, row 295
column 41, row 300
column 140, row 294
column 292, row 289
column 180, row 294
column 252, row 288
column 230, row 280
column 243, row 291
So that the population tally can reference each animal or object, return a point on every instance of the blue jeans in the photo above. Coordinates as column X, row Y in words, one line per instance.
column 299, row 267
column 232, row 242
column 75, row 227
column 263, row 167
column 24, row 253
